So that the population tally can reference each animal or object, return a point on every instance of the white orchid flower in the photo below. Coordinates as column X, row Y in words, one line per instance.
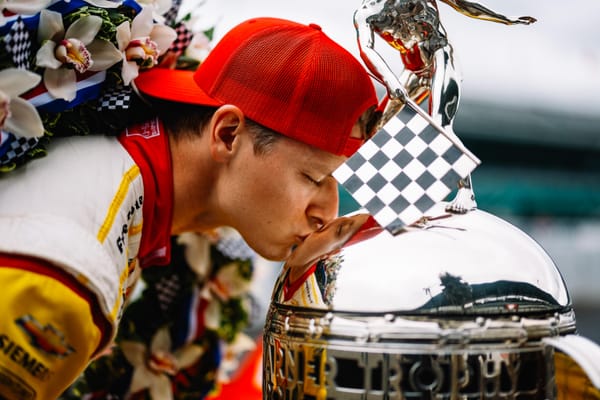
column 153, row 366
column 25, row 7
column 158, row 7
column 142, row 43
column 17, row 115
column 197, row 253
column 199, row 47
column 76, row 50
column 229, row 282
column 232, row 354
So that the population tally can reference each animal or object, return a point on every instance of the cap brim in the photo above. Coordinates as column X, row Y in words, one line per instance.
column 174, row 85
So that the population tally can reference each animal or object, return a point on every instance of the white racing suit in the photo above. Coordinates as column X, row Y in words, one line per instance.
column 75, row 227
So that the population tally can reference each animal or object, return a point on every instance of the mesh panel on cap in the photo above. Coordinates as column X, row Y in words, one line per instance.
column 291, row 78
column 336, row 97
column 279, row 65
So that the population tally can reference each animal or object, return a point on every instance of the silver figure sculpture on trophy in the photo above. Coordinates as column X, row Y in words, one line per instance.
column 413, row 27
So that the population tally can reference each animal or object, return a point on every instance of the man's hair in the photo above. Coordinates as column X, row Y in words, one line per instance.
column 369, row 120
column 185, row 120
column 182, row 120
column 188, row 120
column 264, row 138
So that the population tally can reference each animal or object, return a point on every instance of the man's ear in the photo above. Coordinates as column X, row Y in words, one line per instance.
column 225, row 126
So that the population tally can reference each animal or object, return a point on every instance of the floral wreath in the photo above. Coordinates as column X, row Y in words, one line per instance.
column 66, row 66
column 183, row 335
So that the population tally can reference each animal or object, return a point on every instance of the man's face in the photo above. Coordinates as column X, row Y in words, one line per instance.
column 277, row 199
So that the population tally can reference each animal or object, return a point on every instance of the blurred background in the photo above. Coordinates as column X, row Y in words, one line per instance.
column 530, row 110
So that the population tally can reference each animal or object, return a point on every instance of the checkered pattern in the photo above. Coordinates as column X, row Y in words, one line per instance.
column 182, row 41
column 115, row 97
column 404, row 170
column 13, row 148
column 17, row 43
column 234, row 247
column 167, row 290
column 171, row 14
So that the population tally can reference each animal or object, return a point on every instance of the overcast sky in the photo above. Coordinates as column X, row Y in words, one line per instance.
column 553, row 63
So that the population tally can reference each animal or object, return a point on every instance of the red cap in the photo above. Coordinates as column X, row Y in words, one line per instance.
column 287, row 76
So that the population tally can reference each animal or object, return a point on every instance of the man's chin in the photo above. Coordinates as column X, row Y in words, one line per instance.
column 275, row 254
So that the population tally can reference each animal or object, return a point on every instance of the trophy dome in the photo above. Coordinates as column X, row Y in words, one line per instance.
column 457, row 306
column 471, row 264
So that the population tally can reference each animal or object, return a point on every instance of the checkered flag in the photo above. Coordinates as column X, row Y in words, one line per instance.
column 17, row 43
column 405, row 169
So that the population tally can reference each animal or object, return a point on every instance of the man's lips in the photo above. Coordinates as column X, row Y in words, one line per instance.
column 300, row 239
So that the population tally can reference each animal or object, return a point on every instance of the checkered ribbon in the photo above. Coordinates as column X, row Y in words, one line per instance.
column 115, row 97
column 13, row 148
column 405, row 169
column 234, row 247
column 167, row 290
column 171, row 14
column 182, row 41
column 17, row 43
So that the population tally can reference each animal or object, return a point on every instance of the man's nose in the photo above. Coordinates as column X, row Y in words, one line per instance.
column 324, row 205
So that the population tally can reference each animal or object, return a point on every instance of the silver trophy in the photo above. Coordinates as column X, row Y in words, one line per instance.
column 464, row 307
column 413, row 28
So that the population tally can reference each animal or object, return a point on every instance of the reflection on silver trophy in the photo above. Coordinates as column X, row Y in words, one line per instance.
column 413, row 27
column 466, row 307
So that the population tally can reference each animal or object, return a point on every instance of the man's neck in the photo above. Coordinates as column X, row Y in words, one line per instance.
column 194, row 178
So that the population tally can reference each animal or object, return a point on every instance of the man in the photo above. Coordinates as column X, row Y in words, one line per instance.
column 258, row 129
